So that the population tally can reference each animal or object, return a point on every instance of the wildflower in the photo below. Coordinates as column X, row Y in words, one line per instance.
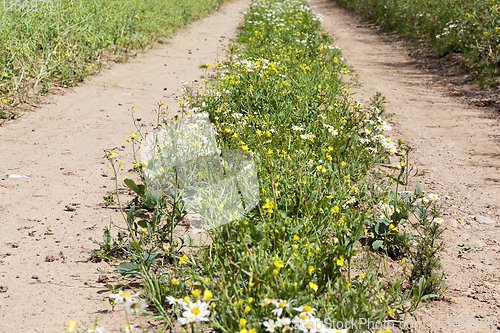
column 271, row 325
column 351, row 201
column 195, row 312
column 128, row 328
column 313, row 286
column 333, row 131
column 175, row 281
column 285, row 324
column 280, row 305
column 310, row 269
column 172, row 300
column 305, row 309
column 268, row 206
column 297, row 128
column 183, row 259
column 71, row 326
column 138, row 305
column 196, row 293
column 122, row 297
column 434, row 197
column 95, row 330
column 438, row 220
column 207, row 294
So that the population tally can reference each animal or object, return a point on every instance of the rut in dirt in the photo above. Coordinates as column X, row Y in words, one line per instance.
column 456, row 145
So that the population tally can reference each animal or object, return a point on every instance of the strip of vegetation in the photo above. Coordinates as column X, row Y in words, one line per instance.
column 468, row 27
column 61, row 42
column 314, row 254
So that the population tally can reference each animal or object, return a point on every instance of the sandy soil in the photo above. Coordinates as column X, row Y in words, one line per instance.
column 456, row 145
column 45, row 278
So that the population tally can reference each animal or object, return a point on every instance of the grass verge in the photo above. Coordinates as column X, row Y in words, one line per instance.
column 470, row 28
column 44, row 43
column 334, row 243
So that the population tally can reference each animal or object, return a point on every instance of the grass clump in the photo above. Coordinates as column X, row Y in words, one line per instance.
column 471, row 28
column 315, row 252
column 62, row 42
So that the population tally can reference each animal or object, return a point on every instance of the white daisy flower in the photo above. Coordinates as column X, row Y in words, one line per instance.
column 297, row 128
column 285, row 324
column 138, row 305
column 122, row 296
column 172, row 300
column 351, row 201
column 271, row 325
column 280, row 305
column 305, row 309
column 333, row 131
column 195, row 313
column 95, row 330
column 434, row 197
column 438, row 220
column 128, row 328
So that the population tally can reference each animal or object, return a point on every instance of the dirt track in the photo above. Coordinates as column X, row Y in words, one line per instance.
column 45, row 278
column 457, row 146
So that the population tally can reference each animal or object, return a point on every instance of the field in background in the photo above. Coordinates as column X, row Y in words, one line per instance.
column 62, row 41
column 471, row 28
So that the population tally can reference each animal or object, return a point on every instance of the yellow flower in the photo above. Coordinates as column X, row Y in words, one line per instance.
column 313, row 286
column 212, row 306
column 71, row 326
column 183, row 259
column 269, row 206
column 243, row 321
column 275, row 272
column 336, row 209
column 340, row 260
column 250, row 299
column 278, row 264
column 310, row 269
column 196, row 293
column 247, row 309
column 175, row 281
column 207, row 294
column 295, row 237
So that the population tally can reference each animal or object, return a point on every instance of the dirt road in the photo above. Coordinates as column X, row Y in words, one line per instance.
column 53, row 174
column 458, row 148
column 52, row 158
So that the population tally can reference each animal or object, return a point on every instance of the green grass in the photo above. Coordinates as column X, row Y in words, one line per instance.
column 65, row 43
column 469, row 27
column 328, row 221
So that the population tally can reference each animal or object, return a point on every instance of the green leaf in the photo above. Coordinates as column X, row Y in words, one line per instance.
column 149, row 259
column 135, row 246
column 297, row 228
column 418, row 190
column 378, row 244
column 188, row 240
column 137, row 189
column 143, row 223
column 382, row 226
column 129, row 269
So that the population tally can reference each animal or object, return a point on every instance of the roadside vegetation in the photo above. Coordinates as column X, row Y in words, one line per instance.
column 468, row 27
column 335, row 242
column 60, row 42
